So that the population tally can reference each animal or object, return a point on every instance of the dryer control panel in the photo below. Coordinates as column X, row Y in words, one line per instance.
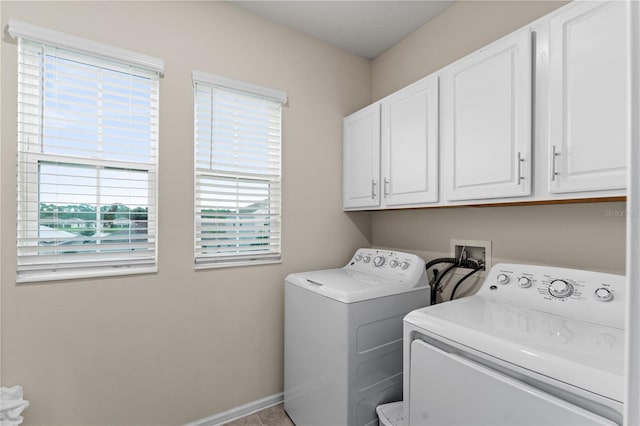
column 585, row 295
column 388, row 264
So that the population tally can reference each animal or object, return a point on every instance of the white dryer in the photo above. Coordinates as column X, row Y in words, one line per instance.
column 534, row 346
column 343, row 336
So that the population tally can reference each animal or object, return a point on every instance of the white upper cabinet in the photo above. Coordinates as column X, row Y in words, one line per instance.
column 588, row 97
column 410, row 145
column 469, row 134
column 486, row 121
column 361, row 159
column 391, row 150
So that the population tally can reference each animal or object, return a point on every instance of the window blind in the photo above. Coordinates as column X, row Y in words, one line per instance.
column 237, row 173
column 87, row 164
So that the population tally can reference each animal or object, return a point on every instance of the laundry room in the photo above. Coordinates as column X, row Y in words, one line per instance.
column 119, row 308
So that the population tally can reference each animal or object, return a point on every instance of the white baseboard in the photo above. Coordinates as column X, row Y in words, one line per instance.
column 241, row 411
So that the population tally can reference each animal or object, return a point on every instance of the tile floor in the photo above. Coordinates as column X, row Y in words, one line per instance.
column 272, row 416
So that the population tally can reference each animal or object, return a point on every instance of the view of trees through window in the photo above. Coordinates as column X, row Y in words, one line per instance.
column 81, row 204
column 82, row 219
column 83, row 224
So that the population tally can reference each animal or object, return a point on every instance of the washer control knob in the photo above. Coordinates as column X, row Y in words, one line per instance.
column 560, row 288
column 393, row 263
column 524, row 282
column 358, row 258
column 502, row 278
column 404, row 265
column 603, row 294
column 379, row 261
column 367, row 259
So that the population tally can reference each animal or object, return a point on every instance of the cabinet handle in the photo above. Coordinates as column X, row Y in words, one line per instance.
column 520, row 161
column 554, row 156
column 386, row 187
column 373, row 189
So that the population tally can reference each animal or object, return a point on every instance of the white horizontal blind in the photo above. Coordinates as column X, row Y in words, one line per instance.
column 87, row 164
column 237, row 177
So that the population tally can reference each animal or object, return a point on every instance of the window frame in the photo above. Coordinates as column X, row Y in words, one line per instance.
column 238, row 258
column 40, row 267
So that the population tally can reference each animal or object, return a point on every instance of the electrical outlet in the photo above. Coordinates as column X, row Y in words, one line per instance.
column 472, row 249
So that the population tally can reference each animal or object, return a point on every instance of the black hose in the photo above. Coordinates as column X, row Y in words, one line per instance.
column 440, row 260
column 435, row 274
column 452, row 260
column 461, row 280
column 434, row 289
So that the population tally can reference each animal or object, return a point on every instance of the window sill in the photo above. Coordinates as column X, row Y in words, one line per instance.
column 232, row 264
column 36, row 277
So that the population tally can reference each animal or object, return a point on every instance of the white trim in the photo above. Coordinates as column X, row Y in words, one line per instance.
column 221, row 264
column 632, row 363
column 39, row 276
column 19, row 29
column 241, row 86
column 238, row 412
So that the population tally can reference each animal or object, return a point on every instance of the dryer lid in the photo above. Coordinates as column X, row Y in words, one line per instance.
column 582, row 354
column 349, row 286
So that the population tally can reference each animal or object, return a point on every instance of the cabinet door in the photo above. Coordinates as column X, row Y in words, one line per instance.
column 361, row 145
column 410, row 145
column 486, row 121
column 588, row 97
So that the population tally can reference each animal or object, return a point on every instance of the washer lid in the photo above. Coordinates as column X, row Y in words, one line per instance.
column 582, row 354
column 349, row 286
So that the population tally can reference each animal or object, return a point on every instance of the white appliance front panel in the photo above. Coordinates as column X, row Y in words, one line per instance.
column 315, row 358
column 343, row 360
column 585, row 355
column 446, row 389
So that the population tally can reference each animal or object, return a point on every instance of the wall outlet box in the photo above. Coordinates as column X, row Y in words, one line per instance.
column 472, row 249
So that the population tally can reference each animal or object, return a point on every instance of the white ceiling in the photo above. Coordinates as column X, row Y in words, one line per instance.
column 364, row 27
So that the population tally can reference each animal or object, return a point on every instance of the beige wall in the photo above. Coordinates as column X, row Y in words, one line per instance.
column 179, row 345
column 589, row 236
column 583, row 236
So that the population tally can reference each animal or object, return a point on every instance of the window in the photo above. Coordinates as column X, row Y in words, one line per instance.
column 87, row 158
column 237, row 172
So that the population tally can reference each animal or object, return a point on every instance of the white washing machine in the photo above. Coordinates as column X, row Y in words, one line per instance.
column 534, row 346
column 343, row 336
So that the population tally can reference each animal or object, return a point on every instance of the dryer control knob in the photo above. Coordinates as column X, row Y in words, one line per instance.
column 524, row 282
column 358, row 258
column 502, row 278
column 379, row 261
column 393, row 263
column 560, row 288
column 404, row 265
column 603, row 294
column 367, row 259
